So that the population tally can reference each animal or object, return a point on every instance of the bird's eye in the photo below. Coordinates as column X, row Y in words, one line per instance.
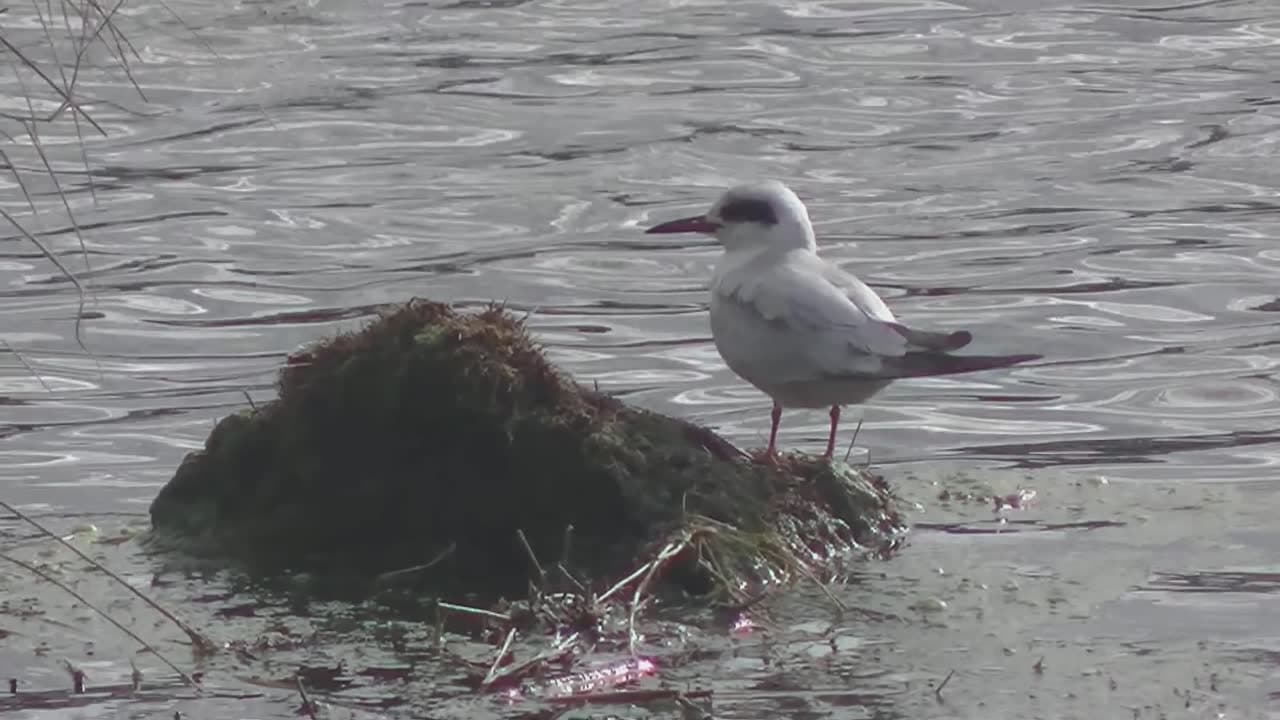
column 748, row 210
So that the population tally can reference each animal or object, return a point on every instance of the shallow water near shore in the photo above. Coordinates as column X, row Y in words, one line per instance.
column 1089, row 598
column 1090, row 181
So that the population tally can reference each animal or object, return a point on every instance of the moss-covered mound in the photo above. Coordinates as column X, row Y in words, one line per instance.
column 431, row 429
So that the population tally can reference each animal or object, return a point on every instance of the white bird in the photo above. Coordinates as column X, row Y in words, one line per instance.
column 800, row 329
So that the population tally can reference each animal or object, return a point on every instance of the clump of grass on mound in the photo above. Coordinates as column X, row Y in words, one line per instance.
column 442, row 436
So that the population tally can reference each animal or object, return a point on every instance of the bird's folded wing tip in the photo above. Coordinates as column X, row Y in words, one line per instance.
column 958, row 339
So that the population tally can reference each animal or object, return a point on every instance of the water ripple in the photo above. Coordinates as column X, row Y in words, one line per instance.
column 1092, row 182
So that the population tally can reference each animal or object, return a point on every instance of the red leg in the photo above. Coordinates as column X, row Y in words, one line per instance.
column 831, row 439
column 775, row 417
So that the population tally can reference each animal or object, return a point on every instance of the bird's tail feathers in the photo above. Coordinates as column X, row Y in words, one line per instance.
column 924, row 364
column 932, row 340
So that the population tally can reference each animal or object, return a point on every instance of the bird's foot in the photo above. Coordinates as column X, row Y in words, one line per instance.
column 766, row 457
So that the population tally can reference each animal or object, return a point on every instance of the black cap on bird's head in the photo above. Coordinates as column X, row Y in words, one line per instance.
column 766, row 214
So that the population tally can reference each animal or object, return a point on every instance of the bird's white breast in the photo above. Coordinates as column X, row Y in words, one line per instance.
column 765, row 351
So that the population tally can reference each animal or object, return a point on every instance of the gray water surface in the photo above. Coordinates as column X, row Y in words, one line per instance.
column 1092, row 181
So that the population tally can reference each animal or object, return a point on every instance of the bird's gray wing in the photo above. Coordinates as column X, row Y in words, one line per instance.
column 866, row 299
column 790, row 324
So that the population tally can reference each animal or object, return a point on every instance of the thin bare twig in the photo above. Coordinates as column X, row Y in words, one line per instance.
column 308, row 707
column 808, row 572
column 497, row 661
column 120, row 41
column 937, row 692
column 474, row 611
column 30, row 126
column 515, row 670
column 202, row 643
column 542, row 574
column 62, row 195
column 261, row 108
column 49, row 81
column 624, row 582
column 439, row 627
column 582, row 589
column 854, row 439
column 49, row 256
column 22, row 184
column 26, row 365
column 565, row 546
column 77, row 676
column 80, row 46
column 418, row 568
column 671, row 550
column 87, row 603
column 86, row 40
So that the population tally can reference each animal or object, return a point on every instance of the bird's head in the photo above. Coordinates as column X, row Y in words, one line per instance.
column 758, row 215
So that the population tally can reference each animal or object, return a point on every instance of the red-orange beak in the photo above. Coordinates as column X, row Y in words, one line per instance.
column 696, row 224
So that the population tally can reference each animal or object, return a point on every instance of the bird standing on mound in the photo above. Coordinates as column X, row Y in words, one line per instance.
column 800, row 329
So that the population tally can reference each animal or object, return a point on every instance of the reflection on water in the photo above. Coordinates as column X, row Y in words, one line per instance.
column 1090, row 181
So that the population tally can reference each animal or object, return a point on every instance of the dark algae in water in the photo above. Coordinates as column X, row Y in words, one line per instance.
column 437, row 434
